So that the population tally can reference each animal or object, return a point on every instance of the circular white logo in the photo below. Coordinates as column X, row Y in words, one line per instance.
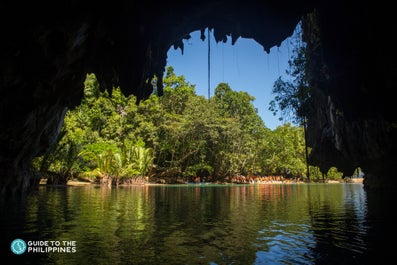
column 18, row 246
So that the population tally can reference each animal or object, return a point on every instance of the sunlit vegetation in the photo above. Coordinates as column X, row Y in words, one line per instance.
column 179, row 137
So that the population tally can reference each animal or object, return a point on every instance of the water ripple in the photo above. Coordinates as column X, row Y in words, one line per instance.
column 285, row 243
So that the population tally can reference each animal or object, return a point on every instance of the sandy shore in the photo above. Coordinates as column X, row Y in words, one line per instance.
column 357, row 180
column 78, row 183
column 85, row 183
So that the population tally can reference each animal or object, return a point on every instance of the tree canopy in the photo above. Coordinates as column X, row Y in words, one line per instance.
column 178, row 137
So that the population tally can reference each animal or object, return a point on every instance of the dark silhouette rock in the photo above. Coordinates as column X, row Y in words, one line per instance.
column 47, row 48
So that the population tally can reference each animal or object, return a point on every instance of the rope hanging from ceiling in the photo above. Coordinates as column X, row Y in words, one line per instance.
column 209, row 64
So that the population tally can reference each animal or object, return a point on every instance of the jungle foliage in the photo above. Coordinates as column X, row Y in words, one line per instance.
column 179, row 136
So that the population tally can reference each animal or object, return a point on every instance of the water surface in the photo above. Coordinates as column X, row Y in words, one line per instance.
column 196, row 224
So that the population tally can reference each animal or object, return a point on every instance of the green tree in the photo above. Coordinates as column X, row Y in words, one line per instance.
column 176, row 92
column 59, row 164
column 91, row 89
column 115, row 138
column 292, row 96
column 285, row 153
column 242, row 133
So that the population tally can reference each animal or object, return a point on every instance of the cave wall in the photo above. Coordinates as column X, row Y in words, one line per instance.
column 352, row 121
column 47, row 48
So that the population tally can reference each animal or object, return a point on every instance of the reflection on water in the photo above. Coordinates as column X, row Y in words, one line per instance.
column 195, row 224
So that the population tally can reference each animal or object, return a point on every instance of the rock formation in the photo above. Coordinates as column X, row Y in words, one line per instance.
column 48, row 48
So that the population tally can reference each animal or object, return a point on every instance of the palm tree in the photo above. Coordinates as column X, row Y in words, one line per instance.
column 140, row 159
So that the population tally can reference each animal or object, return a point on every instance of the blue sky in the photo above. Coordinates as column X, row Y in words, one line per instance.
column 245, row 66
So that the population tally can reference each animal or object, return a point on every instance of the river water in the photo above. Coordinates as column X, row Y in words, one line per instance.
column 196, row 224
